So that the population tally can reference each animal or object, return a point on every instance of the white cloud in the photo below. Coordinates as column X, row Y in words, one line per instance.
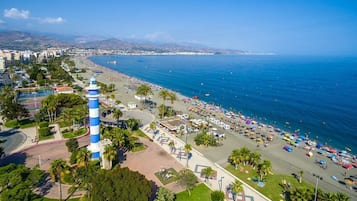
column 159, row 36
column 16, row 14
column 50, row 20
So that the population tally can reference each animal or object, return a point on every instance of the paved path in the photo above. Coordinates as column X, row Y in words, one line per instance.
column 159, row 159
column 199, row 162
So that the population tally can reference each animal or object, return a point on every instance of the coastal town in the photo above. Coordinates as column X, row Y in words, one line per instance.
column 69, row 120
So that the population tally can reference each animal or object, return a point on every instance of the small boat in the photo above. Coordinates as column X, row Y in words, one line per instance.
column 112, row 62
column 207, row 94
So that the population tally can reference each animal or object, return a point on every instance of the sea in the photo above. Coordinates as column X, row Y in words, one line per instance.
column 310, row 95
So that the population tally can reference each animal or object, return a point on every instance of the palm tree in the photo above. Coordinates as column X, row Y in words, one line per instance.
column 342, row 197
column 57, row 167
column 144, row 90
column 153, row 125
column 245, row 155
column 302, row 194
column 66, row 115
column 300, row 173
column 264, row 168
column 207, row 173
column 164, row 94
column 236, row 187
column 118, row 138
column 117, row 114
column 235, row 158
column 109, row 154
column 254, row 159
column 162, row 110
column 172, row 146
column 188, row 149
column 83, row 156
column 172, row 97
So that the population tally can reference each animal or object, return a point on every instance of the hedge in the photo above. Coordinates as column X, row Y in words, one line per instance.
column 43, row 124
column 44, row 131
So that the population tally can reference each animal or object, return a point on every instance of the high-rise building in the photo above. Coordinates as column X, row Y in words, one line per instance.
column 2, row 64
column 94, row 124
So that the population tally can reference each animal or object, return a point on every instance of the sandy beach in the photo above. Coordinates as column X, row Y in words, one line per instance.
column 282, row 161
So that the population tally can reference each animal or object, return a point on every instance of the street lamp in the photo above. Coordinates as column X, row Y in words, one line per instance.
column 318, row 177
column 220, row 182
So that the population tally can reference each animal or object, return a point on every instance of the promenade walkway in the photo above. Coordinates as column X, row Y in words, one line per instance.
column 198, row 162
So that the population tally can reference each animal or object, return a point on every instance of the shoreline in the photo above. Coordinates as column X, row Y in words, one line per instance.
column 259, row 119
column 281, row 160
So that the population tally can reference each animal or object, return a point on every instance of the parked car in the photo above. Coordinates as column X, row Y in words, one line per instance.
column 288, row 148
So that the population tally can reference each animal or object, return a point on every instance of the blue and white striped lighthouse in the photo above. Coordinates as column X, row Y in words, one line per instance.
column 93, row 96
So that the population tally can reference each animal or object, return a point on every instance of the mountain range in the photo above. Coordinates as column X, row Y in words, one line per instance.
column 17, row 40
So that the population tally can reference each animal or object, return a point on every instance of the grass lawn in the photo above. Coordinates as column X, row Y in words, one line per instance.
column 24, row 123
column 72, row 134
column 138, row 147
column 45, row 137
column 140, row 134
column 200, row 193
column 273, row 185
column 163, row 179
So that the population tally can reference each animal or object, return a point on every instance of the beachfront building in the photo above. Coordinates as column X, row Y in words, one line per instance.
column 64, row 90
column 93, row 96
column 174, row 124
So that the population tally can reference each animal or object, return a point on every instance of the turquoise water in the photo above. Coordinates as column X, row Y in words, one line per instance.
column 317, row 95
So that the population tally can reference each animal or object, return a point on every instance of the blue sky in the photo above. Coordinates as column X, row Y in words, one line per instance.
column 284, row 27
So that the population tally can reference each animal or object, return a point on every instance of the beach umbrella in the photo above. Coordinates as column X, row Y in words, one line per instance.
column 319, row 145
column 348, row 166
column 248, row 121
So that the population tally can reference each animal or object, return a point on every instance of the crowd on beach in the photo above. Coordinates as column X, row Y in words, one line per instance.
column 263, row 134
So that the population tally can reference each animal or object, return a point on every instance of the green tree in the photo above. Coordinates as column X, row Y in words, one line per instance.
column 188, row 149
column 236, row 187
column 117, row 114
column 171, row 145
column 162, row 110
column 187, row 179
column 164, row 194
column 235, row 158
column 132, row 124
column 153, row 126
column 119, row 184
column 72, row 145
column 144, row 90
column 83, row 157
column 300, row 173
column 208, row 173
column 17, row 182
column 217, row 196
column 301, row 194
column 56, row 169
column 342, row 197
column 109, row 154
column 255, row 158
column 164, row 94
column 264, row 168
column 172, row 97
